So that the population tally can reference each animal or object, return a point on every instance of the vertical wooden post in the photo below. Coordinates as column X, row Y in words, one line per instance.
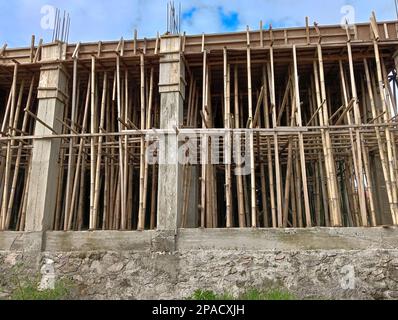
column 92, row 143
column 357, row 117
column 71, row 159
column 271, row 76
column 301, row 141
column 99, row 155
column 203, row 145
column 121, row 151
column 227, row 143
column 251, row 136
column 239, row 178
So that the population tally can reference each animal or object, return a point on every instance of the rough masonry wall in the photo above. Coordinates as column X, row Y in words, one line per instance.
column 321, row 263
column 323, row 274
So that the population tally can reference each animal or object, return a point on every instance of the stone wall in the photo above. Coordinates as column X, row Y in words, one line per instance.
column 340, row 271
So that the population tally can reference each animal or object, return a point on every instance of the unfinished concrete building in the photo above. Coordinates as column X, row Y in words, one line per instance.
column 278, row 128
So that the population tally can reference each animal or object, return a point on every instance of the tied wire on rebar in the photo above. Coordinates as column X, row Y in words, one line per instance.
column 173, row 18
column 61, row 26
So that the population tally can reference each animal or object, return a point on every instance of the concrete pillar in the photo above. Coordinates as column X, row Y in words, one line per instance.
column 172, row 95
column 52, row 96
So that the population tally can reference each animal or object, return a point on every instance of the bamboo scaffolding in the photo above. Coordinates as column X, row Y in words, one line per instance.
column 305, row 153
column 8, row 152
column 388, row 134
column 19, row 152
column 384, row 161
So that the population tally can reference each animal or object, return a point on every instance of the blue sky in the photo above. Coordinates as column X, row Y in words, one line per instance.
column 93, row 20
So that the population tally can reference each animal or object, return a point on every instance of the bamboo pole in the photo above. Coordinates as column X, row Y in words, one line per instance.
column 80, row 159
column 126, row 170
column 204, row 145
column 271, row 77
column 71, row 158
column 148, row 126
column 99, row 151
column 227, row 147
column 287, row 186
column 301, row 141
column 212, row 217
column 141, row 214
column 251, row 137
column 357, row 118
column 237, row 142
column 289, row 168
column 269, row 152
column 263, row 192
column 106, row 194
column 130, row 196
column 60, row 189
column 121, row 193
column 297, row 172
column 92, row 225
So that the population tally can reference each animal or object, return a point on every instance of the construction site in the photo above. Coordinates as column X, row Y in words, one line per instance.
column 309, row 112
column 262, row 130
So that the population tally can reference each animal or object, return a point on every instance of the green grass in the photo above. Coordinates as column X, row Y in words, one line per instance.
column 26, row 287
column 253, row 294
column 272, row 295
column 29, row 291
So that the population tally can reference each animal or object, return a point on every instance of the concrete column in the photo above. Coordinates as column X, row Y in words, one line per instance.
column 52, row 96
column 172, row 95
